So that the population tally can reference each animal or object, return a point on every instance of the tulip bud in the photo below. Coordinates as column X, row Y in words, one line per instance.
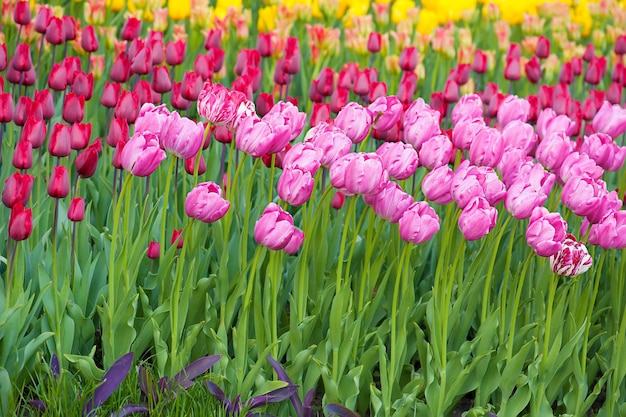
column 190, row 165
column 6, row 107
column 76, row 210
column 73, row 108
column 542, row 50
column 338, row 200
column 59, row 144
column 213, row 39
column 87, row 161
column 120, row 70
column 223, row 134
column 54, row 31
column 264, row 45
column 34, row 131
column 191, row 86
column 320, row 113
column 595, row 71
column 69, row 28
column 59, row 184
column 479, row 65
column 127, row 107
column 512, row 70
column 325, row 84
column 177, row 237
column 142, row 61
column 154, row 250
column 4, row 58
column 89, row 40
column 264, row 103
column 408, row 58
column 620, row 45
column 533, row 70
column 176, row 99
column 17, row 189
column 131, row 29
column 21, row 59
column 451, row 91
column 20, row 222
column 216, row 59
column 175, row 52
column 43, row 17
column 374, row 42
column 161, row 82
column 292, row 56
column 21, row 13
column 45, row 100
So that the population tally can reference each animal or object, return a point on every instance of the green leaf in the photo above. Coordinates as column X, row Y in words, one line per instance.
column 86, row 365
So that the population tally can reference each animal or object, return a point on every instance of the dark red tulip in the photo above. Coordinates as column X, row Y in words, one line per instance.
column 157, row 47
column 462, row 73
column 17, row 189
column 118, row 131
column 408, row 58
column 264, row 45
column 89, row 40
column 161, row 82
column 21, row 13
column 59, row 144
column 42, row 19
column 339, row 99
column 110, row 94
column 374, row 42
column 213, row 39
column 127, row 106
column 542, row 50
column 80, row 135
column 264, row 103
column 280, row 76
column 362, row 84
column 191, row 85
column 545, row 95
column 533, row 70
column 21, row 60
column 120, row 70
column 223, row 134
column 34, row 131
column 59, row 184
column 69, row 28
column 256, row 76
column 320, row 113
column 577, row 66
column 83, row 85
column 131, row 29
column 560, row 104
column 438, row 103
column 202, row 67
column 22, row 110
column 76, row 210
column 494, row 105
column 175, row 52
column 87, row 161
column 71, row 64
column 535, row 108
column 190, row 165
column 73, row 108
column 177, row 238
column 23, row 155
column 216, row 59
column 6, row 107
column 54, row 31
column 20, row 222
column 116, row 160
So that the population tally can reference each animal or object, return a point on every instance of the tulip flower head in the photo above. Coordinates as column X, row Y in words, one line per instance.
column 573, row 259
column 275, row 228
column 418, row 223
column 477, row 218
column 142, row 154
column 359, row 173
column 221, row 106
column 205, row 203
column 20, row 222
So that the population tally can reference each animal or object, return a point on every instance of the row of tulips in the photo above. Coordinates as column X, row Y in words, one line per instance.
column 435, row 305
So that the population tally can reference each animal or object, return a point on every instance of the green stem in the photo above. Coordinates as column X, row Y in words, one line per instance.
column 342, row 247
column 168, row 184
column 487, row 289
column 554, row 281
column 518, row 296
column 401, row 277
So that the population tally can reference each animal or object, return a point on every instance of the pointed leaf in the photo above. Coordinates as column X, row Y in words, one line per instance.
column 216, row 391
column 197, row 368
column 274, row 396
column 308, row 400
column 282, row 375
column 340, row 410
column 111, row 380
column 131, row 409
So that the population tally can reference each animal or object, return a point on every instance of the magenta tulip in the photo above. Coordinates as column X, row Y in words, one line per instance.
column 205, row 203
column 142, row 154
column 418, row 223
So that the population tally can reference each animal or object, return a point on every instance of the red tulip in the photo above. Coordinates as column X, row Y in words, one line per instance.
column 20, row 222
column 34, row 131
column 73, row 108
column 21, row 13
column 131, row 29
column 127, row 106
column 59, row 184
column 89, row 40
column 54, row 31
column 76, row 210
column 23, row 155
column 175, row 52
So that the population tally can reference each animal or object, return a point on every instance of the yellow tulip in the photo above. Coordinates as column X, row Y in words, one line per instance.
column 179, row 9
column 267, row 18
column 580, row 14
column 116, row 5
column 428, row 21
column 399, row 10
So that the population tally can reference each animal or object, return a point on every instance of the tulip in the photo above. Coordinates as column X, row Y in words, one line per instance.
column 22, row 110
column 360, row 173
column 21, row 13
column 606, row 153
column 21, row 59
column 154, row 250
column 127, row 107
column 408, row 58
column 42, row 19
column 436, row 185
column 58, row 77
column 391, row 203
column 513, row 108
column 292, row 56
column 533, row 70
column 610, row 233
column 175, row 52
column 573, row 259
column 161, row 82
column 17, row 189
column 294, row 118
column 142, row 154
column 553, row 150
column 527, row 193
column 546, row 232
column 487, row 147
column 34, row 131
column 438, row 103
column 512, row 70
column 320, row 114
column 120, row 70
column 377, row 90
column 87, row 161
column 339, row 99
column 331, row 142
column 264, row 45
column 23, row 155
column 181, row 136
column 118, row 130
column 110, row 94
column 400, row 159
column 73, row 108
column 421, row 122
column 6, row 107
column 222, row 134
column 141, row 62
column 177, row 237
column 451, row 91
column 579, row 164
column 469, row 106
column 258, row 137
column 479, row 64
column 131, row 29
column 54, row 31
column 20, row 222
column 295, row 186
column 44, row 99
column 303, row 156
column 542, row 50
column 275, row 228
column 436, row 152
column 374, row 42
column 477, row 219
column 69, row 28
column 418, row 223
column 471, row 181
column 72, row 65
column 221, row 106
column 191, row 85
column 595, row 70
column 190, row 165
column 610, row 119
column 548, row 123
column 152, row 119
column 355, row 121
column 338, row 200
column 89, row 40
column 60, row 141
column 59, row 184
column 76, row 210
column 295, row 242
column 362, row 84
column 386, row 111
column 583, row 195
column 205, row 203
column 519, row 135
column 264, row 103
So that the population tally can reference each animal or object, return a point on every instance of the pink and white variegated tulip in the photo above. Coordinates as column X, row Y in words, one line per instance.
column 573, row 259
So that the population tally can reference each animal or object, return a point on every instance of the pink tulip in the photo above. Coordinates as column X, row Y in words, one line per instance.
column 258, row 137
column 519, row 135
column 154, row 250
column 181, row 136
column 546, row 232
column 152, row 118
column 610, row 233
column 205, row 203
column 513, row 108
column 486, row 148
column 514, row 164
column 610, row 119
column 470, row 106
column 275, row 228
column 400, row 159
column 331, row 143
column 142, row 154
column 465, row 131
column 294, row 118
column 606, row 153
column 386, row 111
column 548, row 122
column 295, row 242
column 471, row 181
column 553, row 150
column 527, row 193
column 304, row 156
column 583, row 195
column 477, row 219
column 435, row 152
column 418, row 223
column 295, row 186
column 579, row 164
column 421, row 122
column 355, row 121
column 573, row 259
column 436, row 185
column 221, row 106
column 390, row 203
column 359, row 173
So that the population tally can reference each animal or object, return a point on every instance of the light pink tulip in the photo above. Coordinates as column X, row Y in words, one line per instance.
column 435, row 152
column 610, row 119
column 436, row 185
column 465, row 131
column 577, row 164
column 359, row 173
column 152, row 118
column 610, row 233
column 418, row 223
column 386, row 112
column 331, row 142
column 601, row 148
column 486, row 148
column 304, row 156
column 421, row 122
column 519, row 135
column 400, row 159
column 355, row 121
column 258, row 137
column 546, row 232
column 548, row 122
column 527, row 193
column 477, row 219
column 205, row 203
column 471, row 181
column 470, row 106
column 390, row 203
column 181, row 136
column 583, row 195
column 553, row 150
column 513, row 108
column 142, row 154
column 294, row 118
column 295, row 186
column 274, row 228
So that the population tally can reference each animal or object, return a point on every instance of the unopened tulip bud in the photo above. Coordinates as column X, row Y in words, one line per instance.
column 23, row 155
column 21, row 13
column 620, row 45
column 69, row 28
column 120, row 70
column 127, row 107
column 87, row 161
column 154, row 250
column 408, row 58
column 374, row 42
column 542, row 50
column 21, row 59
column 177, row 238
column 131, row 29
column 264, row 45
column 41, row 20
column 479, row 64
column 54, row 31
column 20, row 223
column 338, row 200
column 264, row 103
column 34, row 131
column 533, row 70
column 291, row 63
column 161, row 82
column 73, row 108
column 213, row 39
column 59, row 144
column 190, row 165
column 89, row 40
column 176, row 99
column 76, row 210
column 59, row 184
column 512, row 70
column 175, row 52
column 110, row 94
column 6, row 107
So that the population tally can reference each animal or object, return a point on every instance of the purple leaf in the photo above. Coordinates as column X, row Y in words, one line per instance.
column 340, row 410
column 143, row 380
column 282, row 375
column 55, row 367
column 274, row 396
column 308, row 399
column 130, row 409
column 197, row 368
column 110, row 381
column 219, row 394
column 39, row 404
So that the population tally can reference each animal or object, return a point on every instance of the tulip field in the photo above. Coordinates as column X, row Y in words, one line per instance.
column 313, row 208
